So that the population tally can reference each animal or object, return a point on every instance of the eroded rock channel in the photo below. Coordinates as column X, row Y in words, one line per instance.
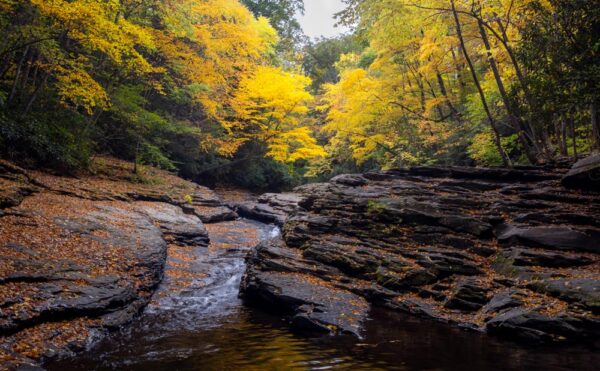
column 363, row 257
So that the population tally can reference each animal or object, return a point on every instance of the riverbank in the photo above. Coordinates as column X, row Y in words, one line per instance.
column 84, row 255
column 512, row 253
column 509, row 252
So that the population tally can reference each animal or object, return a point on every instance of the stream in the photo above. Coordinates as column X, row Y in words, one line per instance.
column 197, row 322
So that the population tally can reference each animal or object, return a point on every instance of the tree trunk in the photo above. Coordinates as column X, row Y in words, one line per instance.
column 135, row 160
column 522, row 129
column 35, row 94
column 574, row 136
column 505, row 159
column 563, row 136
column 27, row 72
column 459, row 72
column 442, row 86
column 520, row 77
column 15, row 84
column 559, row 130
column 421, row 91
column 439, row 110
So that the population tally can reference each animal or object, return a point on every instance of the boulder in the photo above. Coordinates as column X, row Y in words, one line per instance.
column 269, row 208
column 313, row 305
column 585, row 174
column 505, row 299
column 178, row 226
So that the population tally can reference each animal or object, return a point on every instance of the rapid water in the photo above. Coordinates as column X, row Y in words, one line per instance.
column 197, row 322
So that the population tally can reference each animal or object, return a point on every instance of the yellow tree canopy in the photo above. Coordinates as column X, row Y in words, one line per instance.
column 271, row 105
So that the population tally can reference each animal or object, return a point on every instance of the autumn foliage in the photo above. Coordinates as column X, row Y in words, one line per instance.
column 158, row 82
column 496, row 82
column 216, row 90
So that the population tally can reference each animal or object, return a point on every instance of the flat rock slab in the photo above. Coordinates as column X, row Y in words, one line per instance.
column 182, row 228
column 312, row 304
column 585, row 174
column 80, row 257
column 269, row 208
column 555, row 238
column 214, row 214
column 464, row 246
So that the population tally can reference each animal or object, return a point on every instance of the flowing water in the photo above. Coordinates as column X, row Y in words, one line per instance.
column 197, row 322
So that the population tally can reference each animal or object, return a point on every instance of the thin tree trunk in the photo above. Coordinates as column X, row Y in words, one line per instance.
column 558, row 132
column 505, row 159
column 563, row 136
column 459, row 72
column 30, row 63
column 35, row 74
column 15, row 84
column 516, row 65
column 574, row 136
column 35, row 94
column 520, row 77
column 442, row 86
column 136, row 159
column 438, row 108
column 522, row 129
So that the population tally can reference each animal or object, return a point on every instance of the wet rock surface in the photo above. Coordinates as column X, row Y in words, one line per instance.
column 84, row 255
column 209, row 207
column 510, row 252
column 269, row 208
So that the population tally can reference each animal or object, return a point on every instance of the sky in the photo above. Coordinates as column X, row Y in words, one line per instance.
column 318, row 18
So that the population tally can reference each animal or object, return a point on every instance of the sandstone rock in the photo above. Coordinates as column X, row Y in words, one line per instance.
column 312, row 304
column 524, row 257
column 464, row 246
column 584, row 292
column 352, row 180
column 468, row 296
column 183, row 229
column 217, row 214
column 72, row 264
column 530, row 325
column 270, row 208
column 558, row 237
column 585, row 174
column 15, row 185
column 504, row 300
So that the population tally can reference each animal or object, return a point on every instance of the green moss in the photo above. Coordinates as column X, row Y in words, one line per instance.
column 375, row 207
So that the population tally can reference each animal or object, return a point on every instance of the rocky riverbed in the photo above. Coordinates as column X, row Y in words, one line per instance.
column 84, row 255
column 509, row 252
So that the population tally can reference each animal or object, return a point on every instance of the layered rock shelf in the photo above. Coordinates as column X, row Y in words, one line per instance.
column 83, row 255
column 509, row 252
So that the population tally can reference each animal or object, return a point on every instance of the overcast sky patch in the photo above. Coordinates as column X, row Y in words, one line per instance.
column 318, row 18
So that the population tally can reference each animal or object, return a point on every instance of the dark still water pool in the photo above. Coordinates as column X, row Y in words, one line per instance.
column 197, row 322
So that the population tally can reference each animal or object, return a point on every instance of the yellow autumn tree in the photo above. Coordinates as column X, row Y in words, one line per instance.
column 441, row 72
column 93, row 28
column 271, row 105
